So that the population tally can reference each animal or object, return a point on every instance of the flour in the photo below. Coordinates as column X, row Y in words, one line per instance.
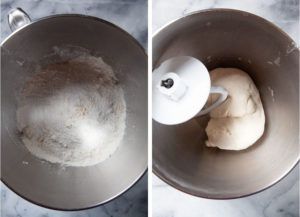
column 73, row 112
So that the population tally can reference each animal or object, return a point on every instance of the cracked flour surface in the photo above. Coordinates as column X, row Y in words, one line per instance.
column 72, row 112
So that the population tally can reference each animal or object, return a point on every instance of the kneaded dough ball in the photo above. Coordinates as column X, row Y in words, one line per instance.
column 240, row 121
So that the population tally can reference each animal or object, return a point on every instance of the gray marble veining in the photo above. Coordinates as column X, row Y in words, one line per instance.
column 131, row 15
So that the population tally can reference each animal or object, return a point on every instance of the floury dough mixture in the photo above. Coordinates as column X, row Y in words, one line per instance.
column 73, row 112
column 240, row 121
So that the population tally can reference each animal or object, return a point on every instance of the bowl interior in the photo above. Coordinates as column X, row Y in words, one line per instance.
column 72, row 187
column 229, row 38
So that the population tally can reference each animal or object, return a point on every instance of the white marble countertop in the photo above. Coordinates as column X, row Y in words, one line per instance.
column 281, row 200
column 130, row 15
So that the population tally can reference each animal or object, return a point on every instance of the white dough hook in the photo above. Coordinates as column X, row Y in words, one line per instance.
column 181, row 86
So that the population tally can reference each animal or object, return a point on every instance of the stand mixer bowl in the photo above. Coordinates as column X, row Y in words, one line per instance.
column 231, row 38
column 73, row 188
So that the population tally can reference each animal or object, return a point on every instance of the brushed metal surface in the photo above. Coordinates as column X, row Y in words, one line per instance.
column 231, row 38
column 49, row 184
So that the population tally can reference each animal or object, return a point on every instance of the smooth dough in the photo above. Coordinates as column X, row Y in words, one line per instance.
column 240, row 121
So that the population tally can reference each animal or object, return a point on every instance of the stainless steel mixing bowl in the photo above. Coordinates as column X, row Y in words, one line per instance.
column 231, row 38
column 70, row 188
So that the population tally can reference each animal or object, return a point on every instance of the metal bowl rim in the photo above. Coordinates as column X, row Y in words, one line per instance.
column 227, row 10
